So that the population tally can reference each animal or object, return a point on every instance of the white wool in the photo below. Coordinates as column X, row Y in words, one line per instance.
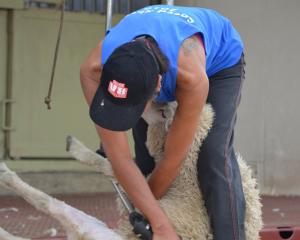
column 183, row 202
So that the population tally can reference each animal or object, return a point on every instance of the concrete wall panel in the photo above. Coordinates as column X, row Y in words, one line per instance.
column 268, row 126
column 40, row 132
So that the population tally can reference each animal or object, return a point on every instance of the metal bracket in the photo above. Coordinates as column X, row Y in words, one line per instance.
column 5, row 102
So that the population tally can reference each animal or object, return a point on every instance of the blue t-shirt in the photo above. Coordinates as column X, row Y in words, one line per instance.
column 170, row 26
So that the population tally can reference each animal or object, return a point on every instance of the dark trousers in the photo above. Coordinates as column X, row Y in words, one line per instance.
column 218, row 170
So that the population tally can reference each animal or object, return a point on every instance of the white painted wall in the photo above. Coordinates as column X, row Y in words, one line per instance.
column 268, row 132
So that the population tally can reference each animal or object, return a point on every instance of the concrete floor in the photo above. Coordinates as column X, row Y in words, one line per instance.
column 280, row 214
column 21, row 219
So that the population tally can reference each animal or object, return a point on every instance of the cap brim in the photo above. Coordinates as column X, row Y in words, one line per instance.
column 112, row 116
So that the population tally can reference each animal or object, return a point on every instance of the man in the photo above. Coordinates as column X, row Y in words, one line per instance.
column 166, row 53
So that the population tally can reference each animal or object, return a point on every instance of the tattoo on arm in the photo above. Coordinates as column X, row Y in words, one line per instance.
column 189, row 45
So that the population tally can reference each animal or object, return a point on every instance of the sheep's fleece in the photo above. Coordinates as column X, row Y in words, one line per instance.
column 183, row 202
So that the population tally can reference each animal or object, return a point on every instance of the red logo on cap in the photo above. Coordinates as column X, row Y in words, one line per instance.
column 118, row 90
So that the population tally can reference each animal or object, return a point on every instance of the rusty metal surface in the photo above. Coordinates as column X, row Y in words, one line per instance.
column 21, row 219
column 291, row 233
column 281, row 211
column 281, row 216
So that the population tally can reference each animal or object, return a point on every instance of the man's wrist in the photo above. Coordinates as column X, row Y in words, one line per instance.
column 159, row 221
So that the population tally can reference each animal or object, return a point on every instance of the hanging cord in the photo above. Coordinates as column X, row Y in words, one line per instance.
column 48, row 98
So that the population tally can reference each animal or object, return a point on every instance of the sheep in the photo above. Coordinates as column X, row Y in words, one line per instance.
column 183, row 202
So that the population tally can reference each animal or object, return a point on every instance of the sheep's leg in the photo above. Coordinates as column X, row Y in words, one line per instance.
column 80, row 152
column 77, row 224
column 35, row 197
column 7, row 236
column 10, row 180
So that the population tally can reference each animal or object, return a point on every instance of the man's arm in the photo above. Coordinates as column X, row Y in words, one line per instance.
column 117, row 149
column 90, row 72
column 191, row 94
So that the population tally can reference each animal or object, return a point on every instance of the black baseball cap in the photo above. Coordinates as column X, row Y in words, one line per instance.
column 128, row 81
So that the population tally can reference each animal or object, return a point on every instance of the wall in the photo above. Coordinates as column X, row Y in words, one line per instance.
column 38, row 132
column 3, row 42
column 268, row 129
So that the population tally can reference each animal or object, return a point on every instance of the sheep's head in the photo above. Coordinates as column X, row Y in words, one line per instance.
column 159, row 117
column 160, row 113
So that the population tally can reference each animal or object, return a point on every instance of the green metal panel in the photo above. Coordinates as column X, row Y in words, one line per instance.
column 38, row 131
column 3, row 43
column 15, row 4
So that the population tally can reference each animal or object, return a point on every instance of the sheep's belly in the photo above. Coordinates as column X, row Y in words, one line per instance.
column 188, row 215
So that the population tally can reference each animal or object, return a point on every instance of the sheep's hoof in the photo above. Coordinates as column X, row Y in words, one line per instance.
column 3, row 167
column 5, row 173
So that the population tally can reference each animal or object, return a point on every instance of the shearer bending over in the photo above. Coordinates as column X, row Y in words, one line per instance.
column 166, row 53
